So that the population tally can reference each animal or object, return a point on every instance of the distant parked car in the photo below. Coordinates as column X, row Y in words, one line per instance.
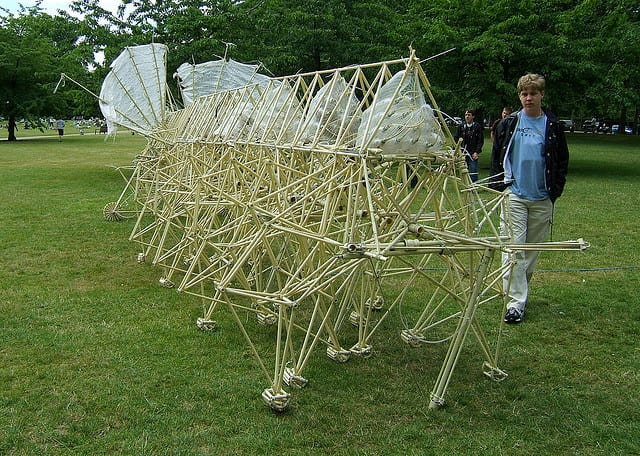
column 604, row 127
column 454, row 121
column 589, row 126
column 568, row 125
column 597, row 125
column 628, row 130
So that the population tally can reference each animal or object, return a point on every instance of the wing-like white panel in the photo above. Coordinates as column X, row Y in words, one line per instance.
column 133, row 94
column 210, row 77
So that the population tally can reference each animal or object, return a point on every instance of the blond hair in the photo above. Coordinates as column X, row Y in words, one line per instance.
column 531, row 80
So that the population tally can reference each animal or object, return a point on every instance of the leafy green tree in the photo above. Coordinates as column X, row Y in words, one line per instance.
column 193, row 30
column 286, row 36
column 607, row 80
column 34, row 49
column 587, row 49
column 291, row 36
column 495, row 43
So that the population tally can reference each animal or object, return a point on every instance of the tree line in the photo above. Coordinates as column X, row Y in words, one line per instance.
column 587, row 49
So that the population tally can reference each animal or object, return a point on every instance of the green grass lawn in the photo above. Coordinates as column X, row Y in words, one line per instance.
column 97, row 358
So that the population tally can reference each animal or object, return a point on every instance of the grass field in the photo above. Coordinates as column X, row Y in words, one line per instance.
column 97, row 358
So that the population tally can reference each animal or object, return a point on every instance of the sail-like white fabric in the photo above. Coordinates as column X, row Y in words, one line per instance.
column 401, row 121
column 210, row 77
column 134, row 93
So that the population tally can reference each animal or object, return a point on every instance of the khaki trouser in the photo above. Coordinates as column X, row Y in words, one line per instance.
column 530, row 223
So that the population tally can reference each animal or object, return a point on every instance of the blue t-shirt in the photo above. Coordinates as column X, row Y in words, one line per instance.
column 526, row 158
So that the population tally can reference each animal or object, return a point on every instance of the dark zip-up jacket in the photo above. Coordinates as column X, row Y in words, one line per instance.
column 556, row 154
column 472, row 137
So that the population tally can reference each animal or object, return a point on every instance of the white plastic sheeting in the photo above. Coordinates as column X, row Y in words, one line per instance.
column 278, row 114
column 401, row 121
column 210, row 77
column 134, row 93
column 334, row 113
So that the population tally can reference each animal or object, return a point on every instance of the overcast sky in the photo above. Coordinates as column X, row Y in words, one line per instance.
column 51, row 6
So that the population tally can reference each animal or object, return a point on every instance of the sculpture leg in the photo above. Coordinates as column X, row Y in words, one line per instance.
column 437, row 395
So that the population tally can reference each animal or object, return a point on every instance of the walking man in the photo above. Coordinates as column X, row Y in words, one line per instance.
column 529, row 159
column 60, row 126
column 472, row 136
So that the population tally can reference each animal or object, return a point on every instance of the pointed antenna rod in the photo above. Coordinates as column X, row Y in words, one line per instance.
column 226, row 48
column 63, row 77
column 437, row 55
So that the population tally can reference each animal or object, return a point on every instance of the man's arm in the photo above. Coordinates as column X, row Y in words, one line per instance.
column 480, row 133
column 496, row 170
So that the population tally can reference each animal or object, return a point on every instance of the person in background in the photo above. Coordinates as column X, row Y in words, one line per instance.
column 60, row 127
column 505, row 112
column 529, row 160
column 472, row 135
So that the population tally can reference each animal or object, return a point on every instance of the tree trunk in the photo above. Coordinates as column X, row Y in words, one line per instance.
column 12, row 128
column 623, row 120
